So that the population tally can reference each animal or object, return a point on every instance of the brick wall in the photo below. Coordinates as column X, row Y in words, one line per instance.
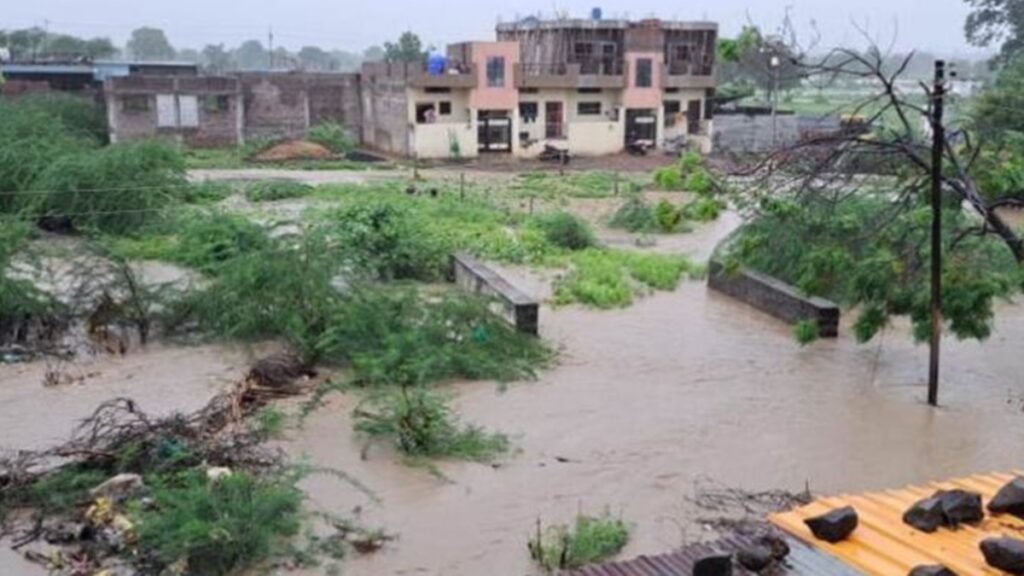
column 519, row 309
column 385, row 108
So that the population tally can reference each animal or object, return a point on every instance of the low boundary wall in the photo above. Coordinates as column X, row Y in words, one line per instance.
column 775, row 297
column 521, row 310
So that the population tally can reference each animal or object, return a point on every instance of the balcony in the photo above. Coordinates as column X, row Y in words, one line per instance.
column 557, row 75
column 686, row 75
column 603, row 73
column 454, row 75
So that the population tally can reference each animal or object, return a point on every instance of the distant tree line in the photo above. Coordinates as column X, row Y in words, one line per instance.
column 151, row 44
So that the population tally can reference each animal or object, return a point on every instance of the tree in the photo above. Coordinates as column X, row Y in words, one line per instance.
column 409, row 48
column 190, row 55
column 992, row 21
column 846, row 215
column 216, row 59
column 374, row 54
column 314, row 58
column 251, row 55
column 346, row 61
column 149, row 44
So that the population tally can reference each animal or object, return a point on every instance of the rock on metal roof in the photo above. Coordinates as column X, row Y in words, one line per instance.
column 883, row 544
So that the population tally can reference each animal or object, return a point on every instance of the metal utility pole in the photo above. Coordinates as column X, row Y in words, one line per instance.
column 270, row 48
column 938, row 143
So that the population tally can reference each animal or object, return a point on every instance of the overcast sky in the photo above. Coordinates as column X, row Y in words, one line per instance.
column 932, row 25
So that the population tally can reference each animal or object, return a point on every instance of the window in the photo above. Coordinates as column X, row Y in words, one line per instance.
column 528, row 112
column 529, row 91
column 588, row 109
column 135, row 103
column 437, row 90
column 672, row 110
column 588, row 91
column 215, row 103
column 709, row 104
column 496, row 72
column 644, row 73
column 425, row 113
column 445, row 108
column 166, row 111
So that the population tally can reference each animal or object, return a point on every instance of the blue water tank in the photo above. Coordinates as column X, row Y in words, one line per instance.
column 436, row 64
column 596, row 14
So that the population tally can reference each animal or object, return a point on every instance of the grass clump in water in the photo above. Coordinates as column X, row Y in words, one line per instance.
column 806, row 332
column 221, row 526
column 589, row 540
column 423, row 424
column 610, row 278
column 274, row 190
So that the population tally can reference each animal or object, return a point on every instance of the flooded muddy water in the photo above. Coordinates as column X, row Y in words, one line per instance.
column 650, row 399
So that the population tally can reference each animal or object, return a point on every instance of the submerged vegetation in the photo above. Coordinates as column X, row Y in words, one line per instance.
column 589, row 540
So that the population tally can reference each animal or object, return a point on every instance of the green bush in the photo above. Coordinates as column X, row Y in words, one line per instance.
column 332, row 136
column 591, row 539
column 117, row 189
column 668, row 178
column 699, row 182
column 206, row 240
column 219, row 527
column 703, row 209
column 402, row 337
column 272, row 190
column 668, row 216
column 209, row 192
column 422, row 424
column 690, row 162
column 634, row 215
column 806, row 332
column 608, row 279
column 566, row 230
column 20, row 300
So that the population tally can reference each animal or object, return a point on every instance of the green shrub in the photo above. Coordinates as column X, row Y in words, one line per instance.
column 117, row 189
column 54, row 493
column 272, row 190
column 402, row 337
column 634, row 215
column 667, row 216
column 422, row 424
column 806, row 332
column 20, row 300
column 208, row 240
column 699, row 182
column 332, row 136
column 219, row 527
column 209, row 192
column 566, row 230
column 690, row 162
column 703, row 209
column 594, row 280
column 591, row 539
column 668, row 178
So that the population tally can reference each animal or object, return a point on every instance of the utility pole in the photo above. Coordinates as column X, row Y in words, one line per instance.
column 938, row 144
column 270, row 49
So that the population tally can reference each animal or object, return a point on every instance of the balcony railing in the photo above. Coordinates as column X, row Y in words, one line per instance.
column 684, row 74
column 454, row 75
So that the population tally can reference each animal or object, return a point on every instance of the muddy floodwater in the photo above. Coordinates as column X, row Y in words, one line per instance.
column 648, row 400
column 644, row 402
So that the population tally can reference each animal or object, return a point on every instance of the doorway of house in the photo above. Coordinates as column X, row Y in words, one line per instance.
column 641, row 127
column 494, row 131
column 554, row 120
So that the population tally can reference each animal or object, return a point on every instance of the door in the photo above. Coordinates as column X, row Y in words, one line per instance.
column 693, row 117
column 494, row 131
column 641, row 126
column 554, row 120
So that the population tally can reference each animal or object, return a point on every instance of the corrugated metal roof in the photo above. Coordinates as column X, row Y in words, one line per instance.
column 802, row 560
column 883, row 544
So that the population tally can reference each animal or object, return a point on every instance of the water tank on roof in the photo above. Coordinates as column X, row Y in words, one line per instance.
column 596, row 14
column 436, row 64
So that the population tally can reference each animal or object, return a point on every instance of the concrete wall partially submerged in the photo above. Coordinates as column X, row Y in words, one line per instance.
column 775, row 297
column 517, row 307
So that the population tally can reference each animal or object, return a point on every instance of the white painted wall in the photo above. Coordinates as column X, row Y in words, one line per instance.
column 433, row 141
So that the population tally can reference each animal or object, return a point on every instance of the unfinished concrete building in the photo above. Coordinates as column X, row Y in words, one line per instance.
column 589, row 87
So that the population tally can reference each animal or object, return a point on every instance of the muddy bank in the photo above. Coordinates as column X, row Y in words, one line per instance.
column 651, row 398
